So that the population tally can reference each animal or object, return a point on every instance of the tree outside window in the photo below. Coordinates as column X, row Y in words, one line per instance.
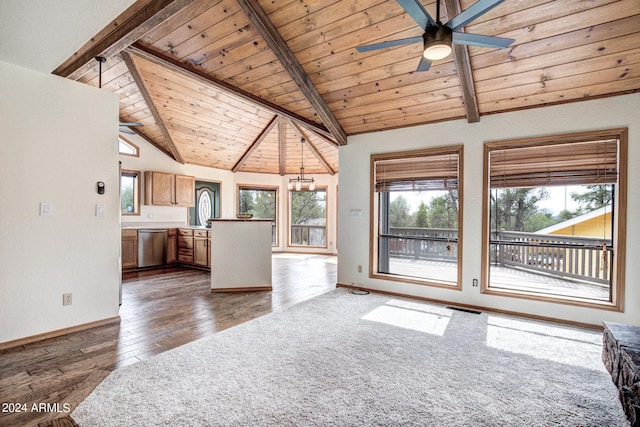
column 308, row 218
column 130, row 192
column 261, row 203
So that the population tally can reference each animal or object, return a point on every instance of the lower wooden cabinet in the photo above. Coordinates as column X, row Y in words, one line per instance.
column 186, row 246
column 201, row 251
column 172, row 246
column 129, row 248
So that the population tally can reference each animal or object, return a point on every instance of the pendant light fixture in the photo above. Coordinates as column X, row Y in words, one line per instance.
column 101, row 60
column 297, row 182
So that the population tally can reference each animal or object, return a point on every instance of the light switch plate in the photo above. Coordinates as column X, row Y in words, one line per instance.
column 100, row 210
column 46, row 209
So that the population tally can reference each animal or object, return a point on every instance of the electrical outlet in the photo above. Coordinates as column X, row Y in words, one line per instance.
column 475, row 282
column 67, row 299
column 359, row 268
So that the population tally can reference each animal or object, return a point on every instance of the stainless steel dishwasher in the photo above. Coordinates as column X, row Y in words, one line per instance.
column 151, row 247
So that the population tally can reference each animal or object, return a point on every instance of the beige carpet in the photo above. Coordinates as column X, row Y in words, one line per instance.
column 351, row 360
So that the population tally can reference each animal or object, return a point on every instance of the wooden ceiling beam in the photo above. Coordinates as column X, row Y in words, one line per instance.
column 329, row 140
column 313, row 149
column 266, row 131
column 122, row 32
column 194, row 72
column 144, row 91
column 463, row 64
column 274, row 40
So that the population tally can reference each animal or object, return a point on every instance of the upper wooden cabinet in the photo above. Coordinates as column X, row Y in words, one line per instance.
column 167, row 189
column 185, row 190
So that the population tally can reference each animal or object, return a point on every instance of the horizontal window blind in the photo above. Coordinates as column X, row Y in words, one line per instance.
column 420, row 173
column 572, row 163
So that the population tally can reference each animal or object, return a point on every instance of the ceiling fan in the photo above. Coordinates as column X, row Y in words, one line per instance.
column 438, row 37
column 122, row 126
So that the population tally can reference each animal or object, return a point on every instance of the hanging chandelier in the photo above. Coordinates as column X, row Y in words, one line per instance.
column 297, row 182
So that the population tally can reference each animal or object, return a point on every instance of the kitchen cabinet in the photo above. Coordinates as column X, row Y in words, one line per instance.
column 185, row 245
column 185, row 190
column 172, row 246
column 201, row 252
column 129, row 252
column 166, row 189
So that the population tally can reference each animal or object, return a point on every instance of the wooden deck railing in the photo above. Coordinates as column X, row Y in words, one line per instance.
column 580, row 258
column 308, row 235
column 423, row 243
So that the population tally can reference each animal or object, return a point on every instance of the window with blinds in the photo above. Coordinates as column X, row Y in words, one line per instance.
column 417, row 199
column 552, row 163
column 418, row 173
column 554, row 218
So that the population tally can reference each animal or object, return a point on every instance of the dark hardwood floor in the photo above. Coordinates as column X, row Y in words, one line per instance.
column 160, row 310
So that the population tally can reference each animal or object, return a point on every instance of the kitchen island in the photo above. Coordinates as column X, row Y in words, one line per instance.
column 240, row 255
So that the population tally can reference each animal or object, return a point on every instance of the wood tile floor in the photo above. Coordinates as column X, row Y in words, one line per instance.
column 160, row 310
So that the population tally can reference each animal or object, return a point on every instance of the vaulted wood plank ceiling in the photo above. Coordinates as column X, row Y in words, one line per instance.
column 236, row 84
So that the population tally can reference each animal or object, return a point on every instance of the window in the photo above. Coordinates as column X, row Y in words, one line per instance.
column 262, row 204
column 308, row 217
column 127, row 148
column 130, row 192
column 416, row 230
column 554, row 218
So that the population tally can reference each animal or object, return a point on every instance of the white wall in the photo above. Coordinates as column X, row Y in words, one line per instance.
column 153, row 159
column 42, row 34
column 58, row 138
column 617, row 112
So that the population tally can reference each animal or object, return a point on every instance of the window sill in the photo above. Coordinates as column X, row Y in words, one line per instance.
column 556, row 299
column 417, row 281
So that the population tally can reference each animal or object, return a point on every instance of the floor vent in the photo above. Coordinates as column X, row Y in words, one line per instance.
column 466, row 310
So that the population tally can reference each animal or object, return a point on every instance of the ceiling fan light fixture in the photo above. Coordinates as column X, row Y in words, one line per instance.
column 437, row 43
column 438, row 50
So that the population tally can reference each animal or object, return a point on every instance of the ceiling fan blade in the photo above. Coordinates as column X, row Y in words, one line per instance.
column 126, row 130
column 391, row 43
column 480, row 40
column 471, row 13
column 417, row 12
column 130, row 124
column 424, row 64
